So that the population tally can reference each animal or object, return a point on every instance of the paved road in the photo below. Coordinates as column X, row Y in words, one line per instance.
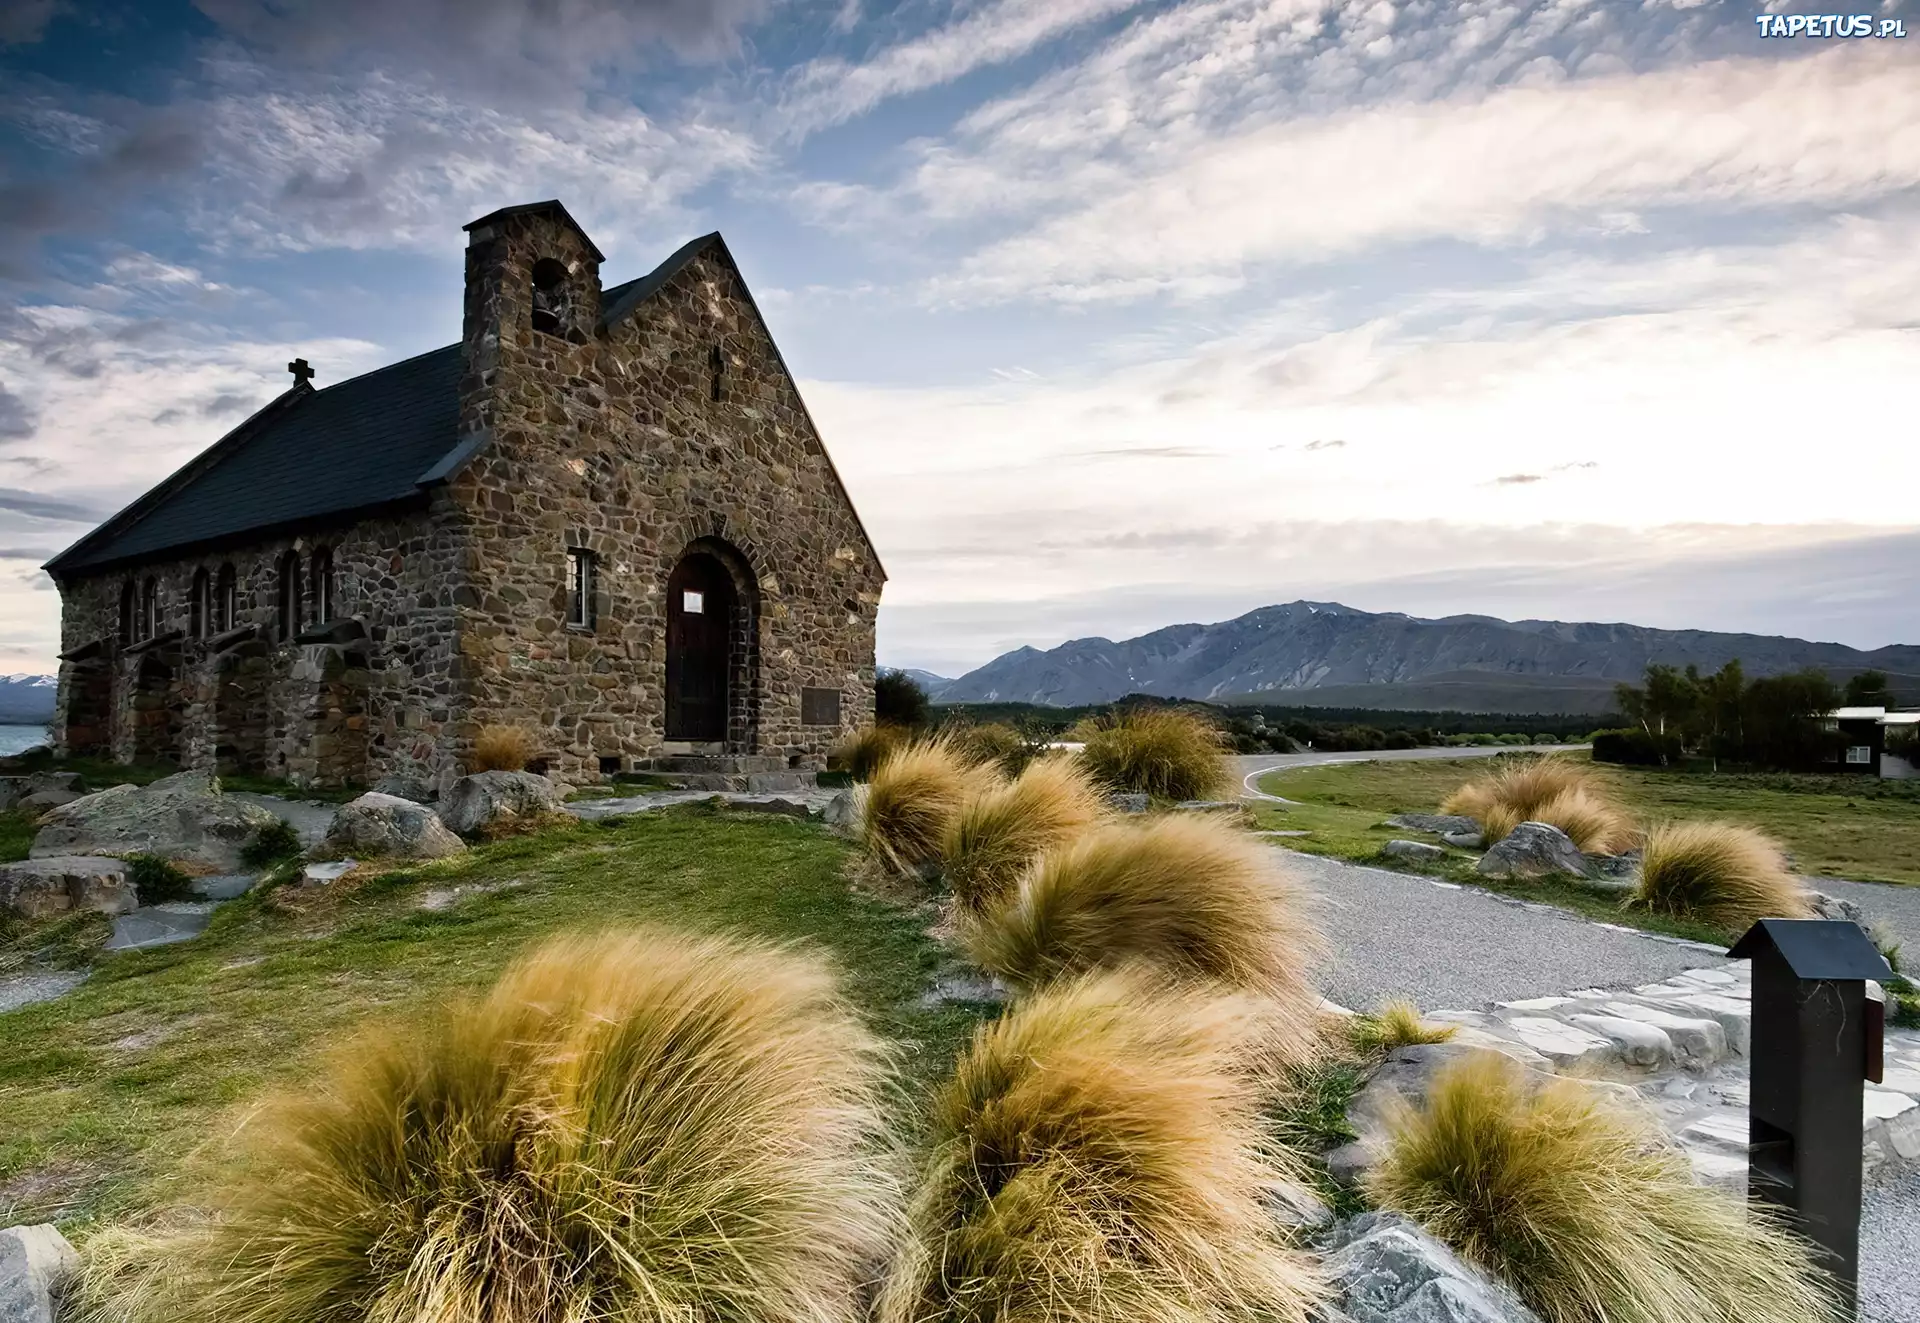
column 1398, row 935
column 1254, row 765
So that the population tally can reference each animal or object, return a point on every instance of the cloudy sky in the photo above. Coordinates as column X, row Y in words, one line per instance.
column 1114, row 313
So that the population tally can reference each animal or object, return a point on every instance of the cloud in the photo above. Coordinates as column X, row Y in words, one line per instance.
column 37, row 506
column 1149, row 452
column 38, row 555
column 18, row 421
column 1325, row 445
column 1518, row 479
column 23, row 22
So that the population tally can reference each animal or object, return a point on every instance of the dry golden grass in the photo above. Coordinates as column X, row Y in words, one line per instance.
column 1549, row 789
column 998, row 833
column 1194, row 898
column 1098, row 1158
column 912, row 802
column 860, row 754
column 633, row 1126
column 1167, row 752
column 502, row 749
column 1396, row 1024
column 994, row 743
column 1718, row 873
column 1582, row 1206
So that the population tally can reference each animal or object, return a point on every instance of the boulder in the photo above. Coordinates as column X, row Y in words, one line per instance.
column 1413, row 851
column 183, row 817
column 1614, row 867
column 376, row 825
column 1466, row 840
column 1129, row 801
column 14, row 789
column 1834, row 907
column 36, row 1266
column 1534, row 850
column 405, row 787
column 1385, row 1269
column 35, row 888
column 1437, row 824
column 41, row 800
column 485, row 798
column 840, row 810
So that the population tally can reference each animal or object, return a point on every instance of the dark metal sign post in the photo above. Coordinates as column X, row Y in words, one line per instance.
column 1816, row 1041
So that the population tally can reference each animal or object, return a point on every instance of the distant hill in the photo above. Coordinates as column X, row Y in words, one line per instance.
column 1327, row 655
column 27, row 700
column 934, row 685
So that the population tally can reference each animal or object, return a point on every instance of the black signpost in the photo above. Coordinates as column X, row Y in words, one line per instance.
column 1816, row 1041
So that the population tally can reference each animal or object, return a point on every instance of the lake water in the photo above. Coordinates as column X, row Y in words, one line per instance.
column 15, row 738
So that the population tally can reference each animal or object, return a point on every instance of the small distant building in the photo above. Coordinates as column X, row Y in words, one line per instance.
column 1864, row 732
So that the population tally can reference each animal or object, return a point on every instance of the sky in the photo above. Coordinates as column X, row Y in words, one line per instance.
column 1113, row 314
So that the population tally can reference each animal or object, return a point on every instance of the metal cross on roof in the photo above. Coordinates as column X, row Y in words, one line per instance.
column 302, row 370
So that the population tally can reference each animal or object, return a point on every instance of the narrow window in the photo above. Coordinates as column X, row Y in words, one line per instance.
column 289, row 600
column 150, row 608
column 580, row 589
column 198, row 604
column 717, row 372
column 322, row 585
column 550, row 296
column 126, row 613
column 226, row 601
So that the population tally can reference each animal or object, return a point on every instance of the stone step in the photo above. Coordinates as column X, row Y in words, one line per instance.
column 699, row 763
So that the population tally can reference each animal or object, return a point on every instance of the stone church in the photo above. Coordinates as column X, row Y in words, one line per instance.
column 605, row 516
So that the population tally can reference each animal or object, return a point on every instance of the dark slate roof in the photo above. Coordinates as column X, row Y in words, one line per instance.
column 374, row 440
column 1816, row 948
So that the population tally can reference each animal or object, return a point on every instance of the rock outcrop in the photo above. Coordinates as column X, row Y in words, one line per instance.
column 1534, row 850
column 1386, row 1269
column 485, row 799
column 183, row 817
column 386, row 826
column 36, row 1266
column 39, row 888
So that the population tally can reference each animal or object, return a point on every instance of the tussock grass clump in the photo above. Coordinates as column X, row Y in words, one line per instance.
column 999, row 832
column 1166, row 752
column 1718, row 873
column 1582, row 1207
column 1396, row 1024
column 1551, row 790
column 1194, row 898
column 994, row 743
column 912, row 801
column 860, row 754
column 502, row 749
column 1097, row 1158
column 639, row 1126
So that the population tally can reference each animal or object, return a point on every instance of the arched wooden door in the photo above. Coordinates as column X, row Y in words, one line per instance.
column 700, row 612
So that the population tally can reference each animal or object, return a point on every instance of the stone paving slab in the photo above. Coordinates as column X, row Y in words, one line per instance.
column 593, row 810
column 161, row 925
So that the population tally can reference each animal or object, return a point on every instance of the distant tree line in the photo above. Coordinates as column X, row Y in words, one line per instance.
column 1774, row 722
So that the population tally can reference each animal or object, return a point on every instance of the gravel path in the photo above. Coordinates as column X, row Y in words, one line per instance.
column 1890, row 1249
column 1396, row 935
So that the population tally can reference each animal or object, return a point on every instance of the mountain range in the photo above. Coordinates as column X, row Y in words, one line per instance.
column 27, row 700
column 1323, row 654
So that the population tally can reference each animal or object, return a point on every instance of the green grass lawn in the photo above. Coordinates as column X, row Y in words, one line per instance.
column 110, row 1094
column 1864, row 829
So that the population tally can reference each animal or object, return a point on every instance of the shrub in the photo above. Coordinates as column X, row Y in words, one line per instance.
column 1718, row 873
column 1167, row 752
column 913, row 799
column 1592, row 823
column 998, row 833
column 1523, row 789
column 1397, row 1024
column 502, row 749
column 1097, row 1158
column 1634, row 747
column 271, row 845
column 1195, row 898
column 998, row 745
column 634, row 1126
column 1584, row 1208
column 860, row 754
column 156, row 879
column 898, row 699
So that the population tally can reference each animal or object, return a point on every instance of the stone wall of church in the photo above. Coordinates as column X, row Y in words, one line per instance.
column 312, row 713
column 622, row 444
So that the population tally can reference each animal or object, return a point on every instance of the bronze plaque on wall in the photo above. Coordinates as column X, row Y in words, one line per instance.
column 819, row 707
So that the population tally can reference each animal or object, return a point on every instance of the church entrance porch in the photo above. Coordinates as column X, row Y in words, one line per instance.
column 89, row 714
column 711, row 679
column 158, row 707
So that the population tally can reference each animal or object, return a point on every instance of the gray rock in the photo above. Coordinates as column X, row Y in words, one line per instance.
column 1466, row 840
column 1834, row 907
column 377, row 825
column 1348, row 1163
column 1210, row 806
column 183, row 817
column 1299, row 1209
column 792, row 808
column 840, row 810
column 1386, row 1269
column 1613, row 867
column 1438, row 824
column 1534, row 850
column 36, row 1266
column 486, row 798
column 49, row 799
column 1129, row 801
column 1404, row 1079
column 326, row 874
column 161, row 925
column 1414, row 851
column 14, row 789
column 405, row 787
column 35, row 888
column 969, row 988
